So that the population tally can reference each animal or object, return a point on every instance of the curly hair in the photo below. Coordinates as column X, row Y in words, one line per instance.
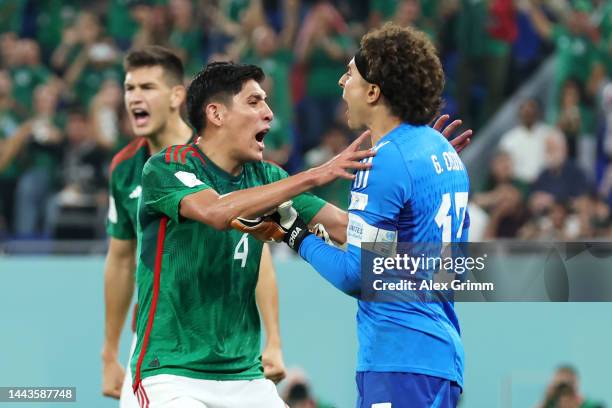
column 404, row 63
column 217, row 81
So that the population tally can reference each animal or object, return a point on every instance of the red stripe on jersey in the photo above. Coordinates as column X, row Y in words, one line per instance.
column 128, row 152
column 161, row 236
column 139, row 396
column 168, row 150
column 184, row 153
column 146, row 397
column 175, row 152
column 194, row 152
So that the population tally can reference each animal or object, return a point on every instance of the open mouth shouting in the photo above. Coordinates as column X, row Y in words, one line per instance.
column 259, row 137
column 141, row 116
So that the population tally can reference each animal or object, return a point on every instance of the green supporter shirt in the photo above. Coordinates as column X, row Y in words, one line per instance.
column 576, row 55
column 92, row 78
column 324, row 72
column 191, row 43
column 25, row 80
column 196, row 285
column 125, row 189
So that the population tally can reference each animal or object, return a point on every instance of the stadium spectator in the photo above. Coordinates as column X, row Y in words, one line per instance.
column 39, row 141
column 525, row 142
column 297, row 391
column 106, row 113
column 273, row 52
column 335, row 139
column 81, row 175
column 185, row 35
column 574, row 39
column 485, row 32
column 502, row 199
column 28, row 73
column 561, row 181
column 564, row 391
column 9, row 171
column 323, row 47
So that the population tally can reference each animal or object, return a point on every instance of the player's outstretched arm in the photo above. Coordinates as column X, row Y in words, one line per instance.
column 334, row 220
column 118, row 290
column 210, row 208
column 266, row 294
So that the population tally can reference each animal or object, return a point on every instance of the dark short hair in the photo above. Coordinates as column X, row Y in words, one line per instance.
column 404, row 63
column 217, row 81
column 155, row 55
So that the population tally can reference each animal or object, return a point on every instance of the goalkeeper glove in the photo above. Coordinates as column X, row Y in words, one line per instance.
column 264, row 228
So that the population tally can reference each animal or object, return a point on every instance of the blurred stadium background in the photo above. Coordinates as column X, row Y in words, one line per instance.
column 532, row 77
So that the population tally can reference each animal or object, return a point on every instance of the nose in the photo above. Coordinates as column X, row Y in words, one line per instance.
column 341, row 81
column 268, row 114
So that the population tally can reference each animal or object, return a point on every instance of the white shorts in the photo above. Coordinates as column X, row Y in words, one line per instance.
column 127, row 398
column 172, row 391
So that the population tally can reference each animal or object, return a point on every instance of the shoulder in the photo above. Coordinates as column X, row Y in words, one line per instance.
column 180, row 154
column 176, row 156
column 128, row 152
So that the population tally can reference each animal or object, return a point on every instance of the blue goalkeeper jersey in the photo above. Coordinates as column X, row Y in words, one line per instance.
column 416, row 191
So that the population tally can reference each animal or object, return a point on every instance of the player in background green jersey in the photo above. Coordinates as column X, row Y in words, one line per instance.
column 197, row 328
column 154, row 93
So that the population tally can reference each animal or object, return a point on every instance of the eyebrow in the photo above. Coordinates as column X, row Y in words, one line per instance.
column 258, row 96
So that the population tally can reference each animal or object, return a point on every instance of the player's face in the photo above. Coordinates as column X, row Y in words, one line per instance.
column 354, row 90
column 248, row 121
column 148, row 100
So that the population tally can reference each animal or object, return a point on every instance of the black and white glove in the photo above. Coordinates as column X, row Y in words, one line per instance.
column 295, row 228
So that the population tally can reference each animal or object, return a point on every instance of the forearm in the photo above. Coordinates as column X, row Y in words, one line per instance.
column 118, row 291
column 266, row 294
column 248, row 203
column 334, row 220
column 338, row 267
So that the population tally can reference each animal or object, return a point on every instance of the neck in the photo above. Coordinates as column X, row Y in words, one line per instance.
column 381, row 124
column 175, row 132
column 213, row 146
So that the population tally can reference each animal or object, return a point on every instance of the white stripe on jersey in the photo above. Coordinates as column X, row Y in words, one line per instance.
column 361, row 180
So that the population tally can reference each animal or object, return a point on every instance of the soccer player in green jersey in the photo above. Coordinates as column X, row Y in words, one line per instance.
column 198, row 328
column 154, row 93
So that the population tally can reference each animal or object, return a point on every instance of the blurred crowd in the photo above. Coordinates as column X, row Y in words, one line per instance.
column 62, row 116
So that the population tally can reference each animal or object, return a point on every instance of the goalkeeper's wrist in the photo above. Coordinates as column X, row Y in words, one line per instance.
column 296, row 234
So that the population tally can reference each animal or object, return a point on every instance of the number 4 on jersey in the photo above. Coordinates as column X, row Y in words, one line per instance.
column 242, row 250
column 444, row 217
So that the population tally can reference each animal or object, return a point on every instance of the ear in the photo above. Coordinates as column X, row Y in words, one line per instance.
column 177, row 96
column 215, row 113
column 373, row 94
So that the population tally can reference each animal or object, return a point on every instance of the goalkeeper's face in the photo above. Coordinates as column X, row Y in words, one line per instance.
column 354, row 93
column 150, row 100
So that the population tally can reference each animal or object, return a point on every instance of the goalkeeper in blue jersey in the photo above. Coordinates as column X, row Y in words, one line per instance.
column 410, row 353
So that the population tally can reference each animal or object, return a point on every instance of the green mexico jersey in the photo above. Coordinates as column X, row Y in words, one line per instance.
column 125, row 189
column 196, row 285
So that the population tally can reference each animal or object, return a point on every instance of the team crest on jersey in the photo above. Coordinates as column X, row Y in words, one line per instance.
column 188, row 179
column 359, row 201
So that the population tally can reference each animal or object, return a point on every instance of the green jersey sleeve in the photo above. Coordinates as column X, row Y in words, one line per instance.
column 165, row 184
column 306, row 204
column 118, row 223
